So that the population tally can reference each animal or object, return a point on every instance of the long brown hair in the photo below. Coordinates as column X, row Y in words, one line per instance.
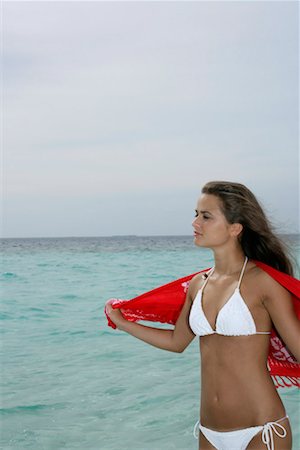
column 258, row 240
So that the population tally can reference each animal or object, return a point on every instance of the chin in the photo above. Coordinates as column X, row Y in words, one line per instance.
column 198, row 245
column 198, row 240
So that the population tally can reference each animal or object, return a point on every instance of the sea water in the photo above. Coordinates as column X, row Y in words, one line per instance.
column 71, row 382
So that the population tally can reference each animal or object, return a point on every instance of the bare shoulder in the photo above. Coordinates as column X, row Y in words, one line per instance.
column 268, row 285
column 195, row 284
column 277, row 301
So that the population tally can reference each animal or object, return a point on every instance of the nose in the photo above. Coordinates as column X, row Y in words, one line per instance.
column 195, row 222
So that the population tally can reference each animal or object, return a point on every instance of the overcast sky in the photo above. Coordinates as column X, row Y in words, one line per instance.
column 116, row 113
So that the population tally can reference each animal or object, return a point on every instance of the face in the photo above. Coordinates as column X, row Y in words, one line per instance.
column 211, row 228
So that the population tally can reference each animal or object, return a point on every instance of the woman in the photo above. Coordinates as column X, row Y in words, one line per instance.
column 232, row 309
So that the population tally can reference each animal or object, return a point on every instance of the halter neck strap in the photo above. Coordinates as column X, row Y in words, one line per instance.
column 211, row 271
column 242, row 272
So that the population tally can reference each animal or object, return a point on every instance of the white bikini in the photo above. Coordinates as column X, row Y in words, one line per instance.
column 233, row 319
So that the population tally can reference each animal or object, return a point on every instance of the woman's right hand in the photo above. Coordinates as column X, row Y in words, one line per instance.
column 114, row 314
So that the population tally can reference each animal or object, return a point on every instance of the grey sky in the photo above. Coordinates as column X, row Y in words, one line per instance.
column 116, row 113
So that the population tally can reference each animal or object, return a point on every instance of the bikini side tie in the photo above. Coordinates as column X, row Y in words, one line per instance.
column 196, row 428
column 267, row 434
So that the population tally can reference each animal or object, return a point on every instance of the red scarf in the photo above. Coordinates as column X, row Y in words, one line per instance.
column 163, row 304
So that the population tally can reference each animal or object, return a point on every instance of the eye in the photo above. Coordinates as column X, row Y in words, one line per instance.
column 206, row 217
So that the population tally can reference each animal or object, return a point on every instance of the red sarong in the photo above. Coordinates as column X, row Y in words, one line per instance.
column 163, row 304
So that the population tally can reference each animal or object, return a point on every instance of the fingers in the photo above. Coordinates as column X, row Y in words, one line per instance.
column 110, row 301
column 108, row 309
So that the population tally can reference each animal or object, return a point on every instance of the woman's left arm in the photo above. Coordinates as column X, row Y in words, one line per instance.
column 279, row 304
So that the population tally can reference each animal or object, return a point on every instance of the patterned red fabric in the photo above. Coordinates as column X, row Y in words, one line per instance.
column 163, row 304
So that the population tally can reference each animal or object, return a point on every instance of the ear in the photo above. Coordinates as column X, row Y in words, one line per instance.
column 236, row 229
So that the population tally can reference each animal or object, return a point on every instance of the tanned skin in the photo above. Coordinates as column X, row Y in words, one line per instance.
column 236, row 388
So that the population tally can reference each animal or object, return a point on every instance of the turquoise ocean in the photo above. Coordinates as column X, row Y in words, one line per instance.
column 71, row 382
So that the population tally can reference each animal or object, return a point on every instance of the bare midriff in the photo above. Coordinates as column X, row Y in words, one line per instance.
column 236, row 388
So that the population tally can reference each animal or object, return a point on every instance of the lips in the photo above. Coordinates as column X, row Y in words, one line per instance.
column 197, row 234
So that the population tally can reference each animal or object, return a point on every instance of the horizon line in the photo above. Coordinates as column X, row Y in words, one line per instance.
column 119, row 235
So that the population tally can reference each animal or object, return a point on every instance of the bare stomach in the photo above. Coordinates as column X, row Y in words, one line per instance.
column 236, row 388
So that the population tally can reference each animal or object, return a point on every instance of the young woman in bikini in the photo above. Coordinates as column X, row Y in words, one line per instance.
column 232, row 309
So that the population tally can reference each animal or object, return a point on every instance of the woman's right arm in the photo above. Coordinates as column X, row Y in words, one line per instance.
column 175, row 340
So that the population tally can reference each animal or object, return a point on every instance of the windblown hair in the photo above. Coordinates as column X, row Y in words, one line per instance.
column 257, row 239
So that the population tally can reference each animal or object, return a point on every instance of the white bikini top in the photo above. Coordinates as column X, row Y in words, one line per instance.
column 233, row 319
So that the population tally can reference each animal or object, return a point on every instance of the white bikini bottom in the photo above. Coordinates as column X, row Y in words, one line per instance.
column 239, row 439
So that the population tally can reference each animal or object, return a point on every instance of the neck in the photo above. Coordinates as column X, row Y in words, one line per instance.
column 228, row 262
